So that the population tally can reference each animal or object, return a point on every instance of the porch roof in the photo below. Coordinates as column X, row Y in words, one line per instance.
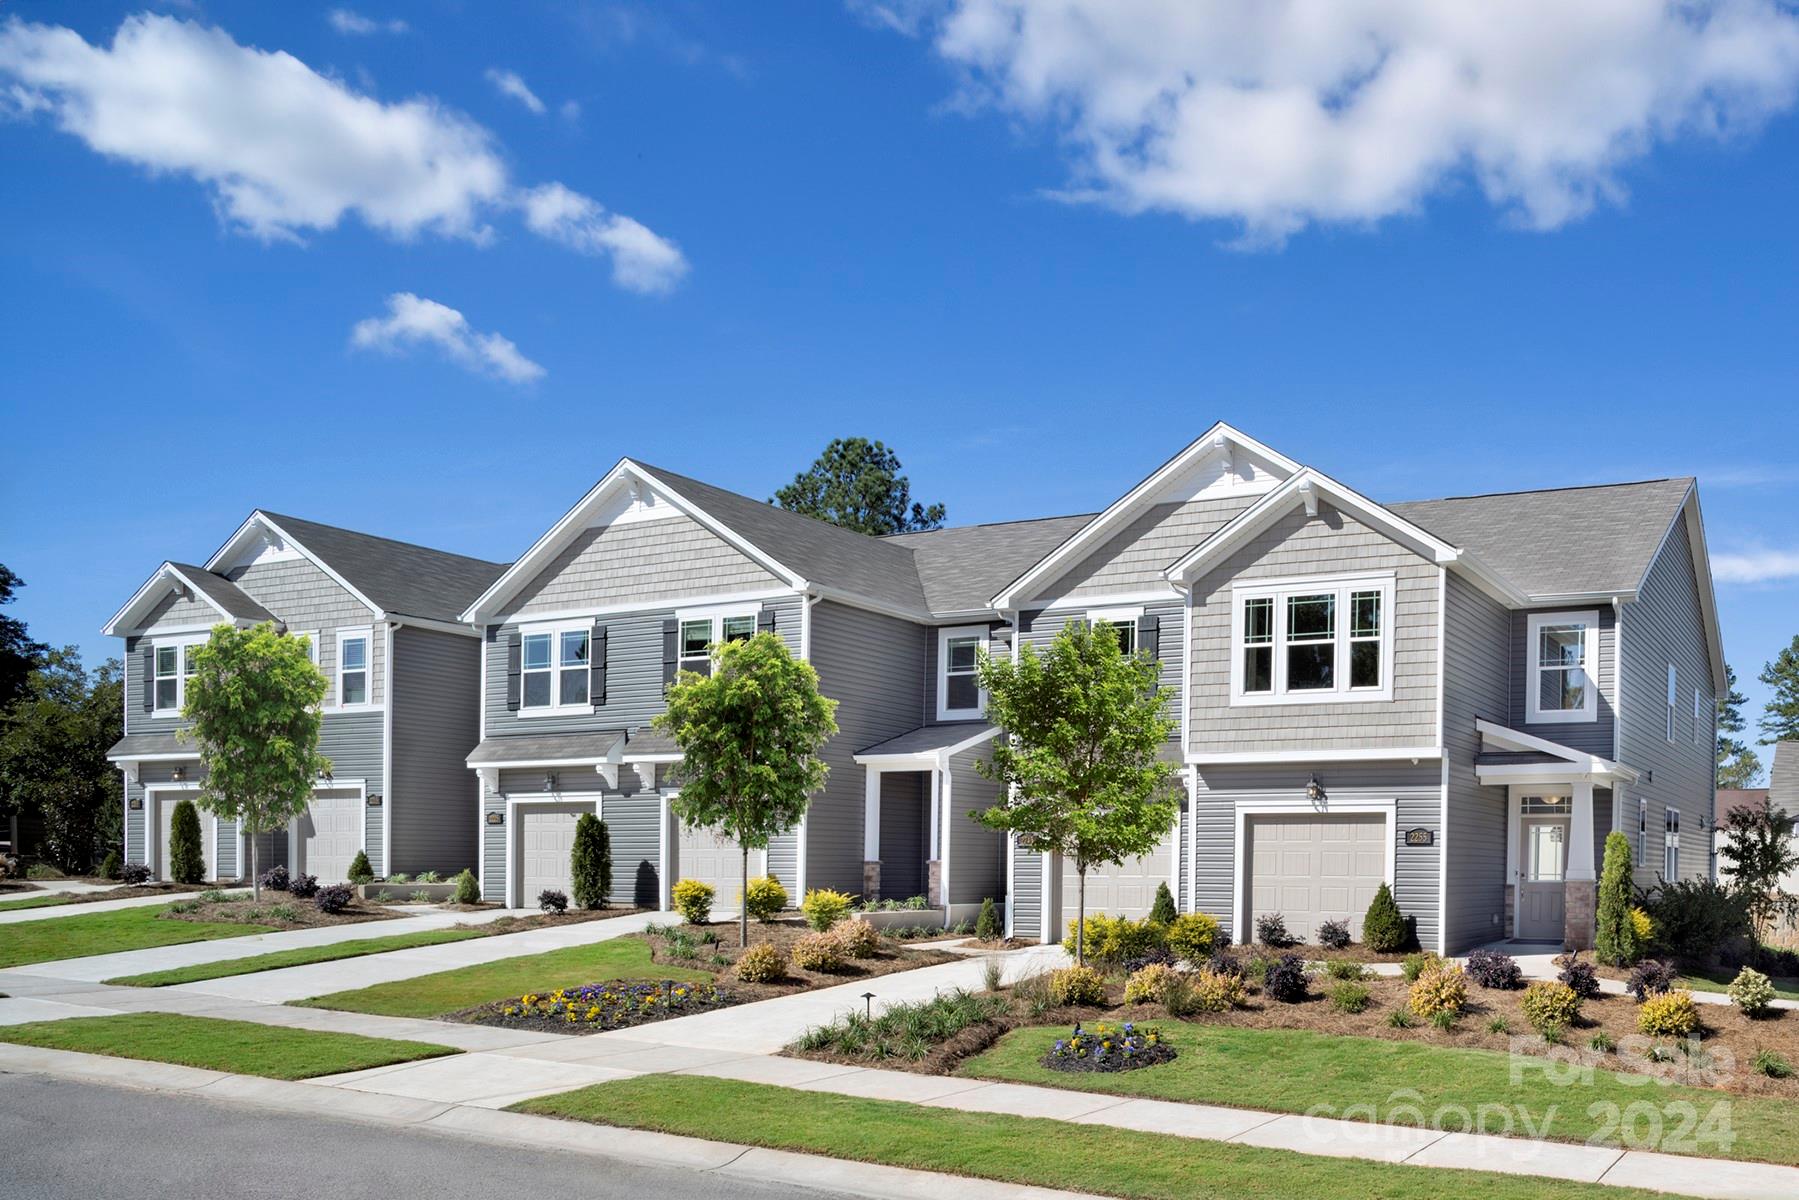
column 928, row 741
column 595, row 747
column 1513, row 756
column 150, row 745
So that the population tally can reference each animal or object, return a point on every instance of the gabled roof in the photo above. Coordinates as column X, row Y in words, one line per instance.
column 961, row 567
column 231, row 602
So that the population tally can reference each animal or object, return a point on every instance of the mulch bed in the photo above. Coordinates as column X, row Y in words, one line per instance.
column 304, row 913
column 614, row 1004
column 891, row 957
column 574, row 916
column 131, row 891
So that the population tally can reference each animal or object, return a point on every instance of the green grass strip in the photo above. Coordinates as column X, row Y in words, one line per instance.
column 44, row 901
column 1294, row 1071
column 1786, row 987
column 465, row 987
column 295, row 958
column 56, row 938
column 1024, row 1150
column 240, row 1047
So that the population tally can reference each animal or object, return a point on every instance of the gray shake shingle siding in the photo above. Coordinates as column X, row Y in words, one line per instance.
column 640, row 562
column 400, row 578
column 1135, row 557
column 182, row 612
column 310, row 601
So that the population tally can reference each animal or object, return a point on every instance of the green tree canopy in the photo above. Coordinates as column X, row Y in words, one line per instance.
column 1738, row 764
column 750, row 734
column 254, row 702
column 53, row 744
column 1759, row 853
column 19, row 655
column 1079, row 756
column 857, row 484
column 1780, row 719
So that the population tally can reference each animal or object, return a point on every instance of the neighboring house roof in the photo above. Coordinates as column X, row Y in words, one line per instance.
column 548, row 748
column 151, row 745
column 400, row 578
column 1728, row 800
column 223, row 594
column 962, row 566
column 1783, row 777
column 1562, row 542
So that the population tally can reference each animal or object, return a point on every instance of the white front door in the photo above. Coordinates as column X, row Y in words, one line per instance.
column 1543, row 851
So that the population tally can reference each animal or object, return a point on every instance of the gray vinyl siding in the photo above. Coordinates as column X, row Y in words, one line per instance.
column 1024, row 899
column 905, row 834
column 1666, row 624
column 1134, row 558
column 137, row 718
column 641, row 561
column 1476, row 669
column 1330, row 544
column 784, row 863
column 1415, row 790
column 1183, row 848
column 1595, row 736
column 873, row 666
column 1041, row 628
column 435, row 724
column 494, row 867
column 977, row 862
column 136, row 822
column 353, row 741
column 309, row 601
column 633, row 826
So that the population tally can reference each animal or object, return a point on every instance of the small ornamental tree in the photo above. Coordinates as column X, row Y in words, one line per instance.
column 1161, row 911
column 590, row 862
column 187, row 862
column 253, row 701
column 1383, row 928
column 1079, row 758
column 1615, row 944
column 1760, row 852
column 750, row 735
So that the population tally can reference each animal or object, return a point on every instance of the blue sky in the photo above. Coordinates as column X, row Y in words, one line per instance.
column 886, row 221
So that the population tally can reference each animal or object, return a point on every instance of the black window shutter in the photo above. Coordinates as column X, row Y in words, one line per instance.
column 765, row 620
column 1149, row 633
column 596, row 667
column 513, row 662
column 671, row 633
column 1078, row 622
column 150, row 679
column 1024, row 622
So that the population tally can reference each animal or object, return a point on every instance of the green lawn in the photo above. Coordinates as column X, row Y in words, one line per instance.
column 450, row 991
column 1025, row 1150
column 295, row 958
column 1786, row 987
column 1295, row 1070
column 241, row 1047
column 107, row 933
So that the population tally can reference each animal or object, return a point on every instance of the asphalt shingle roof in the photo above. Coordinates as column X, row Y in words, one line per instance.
column 399, row 577
column 961, row 568
column 546, row 748
column 224, row 593
column 133, row 745
column 929, row 738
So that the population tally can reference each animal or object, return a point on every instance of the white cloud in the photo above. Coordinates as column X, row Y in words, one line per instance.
column 354, row 24
column 1756, row 566
column 413, row 321
column 641, row 260
column 1277, row 114
column 283, row 150
column 571, row 110
column 509, row 84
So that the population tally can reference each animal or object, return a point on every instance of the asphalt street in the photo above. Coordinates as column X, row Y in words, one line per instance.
column 75, row 1141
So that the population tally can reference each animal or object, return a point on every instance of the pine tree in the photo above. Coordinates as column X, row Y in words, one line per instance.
column 1162, row 911
column 1780, row 719
column 187, row 863
column 590, row 862
column 1383, row 928
column 1738, row 765
column 1616, row 942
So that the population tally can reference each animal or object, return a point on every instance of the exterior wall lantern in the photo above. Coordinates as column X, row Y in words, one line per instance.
column 1314, row 790
column 549, row 781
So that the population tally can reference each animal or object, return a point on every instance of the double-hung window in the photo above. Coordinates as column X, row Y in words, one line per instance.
column 308, row 639
column 1562, row 656
column 1324, row 639
column 1123, row 622
column 174, row 665
column 1673, row 687
column 959, row 695
column 701, row 631
column 1671, row 845
column 554, row 662
column 353, row 658
column 1702, row 718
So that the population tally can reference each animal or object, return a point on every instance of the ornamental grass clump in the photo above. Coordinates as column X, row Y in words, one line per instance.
column 1151, row 985
column 1193, row 937
column 765, row 898
column 1672, row 1014
column 1550, row 1007
column 1076, row 986
column 761, row 963
column 693, row 900
column 817, row 952
column 910, row 1032
column 824, row 907
column 1441, row 992
column 1107, row 1047
column 856, row 938
column 1752, row 992
column 1348, row 996
column 1344, row 970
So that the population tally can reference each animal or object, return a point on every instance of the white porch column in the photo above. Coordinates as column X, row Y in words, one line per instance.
column 871, row 833
column 1580, row 835
column 934, row 865
column 1580, row 894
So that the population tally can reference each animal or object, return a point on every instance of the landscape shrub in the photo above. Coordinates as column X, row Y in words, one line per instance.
column 1441, row 990
column 1077, row 985
column 817, row 952
column 1193, row 937
column 1286, row 979
column 1271, row 931
column 360, row 871
column 693, row 900
column 468, row 888
column 764, row 898
column 761, row 963
column 1550, row 1006
column 1117, row 939
column 1672, row 1014
column 275, row 879
column 1162, row 910
column 303, row 886
column 1160, row 956
column 1752, row 992
column 905, row 1032
column 333, row 898
column 824, row 907
column 1333, row 935
column 590, row 862
column 1151, row 985
column 1651, row 977
column 1495, row 969
column 1578, row 974
column 187, row 862
column 1218, row 991
column 398, row 877
column 1696, row 920
column 429, row 877
column 1615, row 943
column 1602, row 1042
column 1225, row 963
column 1771, row 1064
column 1349, row 996
column 553, row 901
column 1418, row 962
column 1401, row 1018
column 134, row 874
column 111, row 867
column 1383, row 928
column 1643, row 924
column 855, row 938
column 987, row 926
column 1343, row 969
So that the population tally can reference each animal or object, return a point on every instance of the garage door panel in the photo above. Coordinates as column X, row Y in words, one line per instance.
column 329, row 834
column 546, row 839
column 1128, row 889
column 710, row 857
column 1315, row 868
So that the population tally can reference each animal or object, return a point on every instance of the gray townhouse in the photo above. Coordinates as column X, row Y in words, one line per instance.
column 380, row 617
column 1458, row 697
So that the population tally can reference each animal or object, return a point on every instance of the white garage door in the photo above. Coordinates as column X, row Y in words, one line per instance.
column 329, row 835
column 710, row 858
column 546, row 838
column 1312, row 869
column 1126, row 890
column 165, row 817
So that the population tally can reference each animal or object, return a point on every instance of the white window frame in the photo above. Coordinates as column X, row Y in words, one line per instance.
column 944, row 636
column 1642, row 830
column 367, row 634
column 182, row 646
column 1534, row 713
column 1342, row 587
column 312, row 642
column 1673, row 692
column 1120, row 617
column 716, row 615
column 554, row 631
column 1702, row 708
column 1671, row 843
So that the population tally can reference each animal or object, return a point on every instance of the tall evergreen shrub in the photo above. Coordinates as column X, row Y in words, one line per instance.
column 590, row 862
column 1162, row 911
column 187, row 863
column 1383, row 928
column 1615, row 943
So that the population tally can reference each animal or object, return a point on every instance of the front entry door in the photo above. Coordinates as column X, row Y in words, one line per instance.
column 1540, row 889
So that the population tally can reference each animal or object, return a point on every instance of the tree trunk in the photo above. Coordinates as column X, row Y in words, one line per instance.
column 255, row 881
column 743, row 904
column 1080, row 914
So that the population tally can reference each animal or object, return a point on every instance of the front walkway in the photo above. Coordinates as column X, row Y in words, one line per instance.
column 49, row 911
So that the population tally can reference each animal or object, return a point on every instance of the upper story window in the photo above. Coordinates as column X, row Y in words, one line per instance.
column 353, row 667
column 1562, row 657
column 701, row 631
column 1702, row 718
column 173, row 663
column 1671, row 845
column 1124, row 622
column 959, row 695
column 554, row 661
column 1312, row 639
column 309, row 640
column 1673, row 687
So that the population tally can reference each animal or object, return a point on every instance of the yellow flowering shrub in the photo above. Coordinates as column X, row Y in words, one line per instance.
column 1115, row 939
column 1549, row 1005
column 817, row 952
column 1671, row 1014
column 693, row 900
column 824, row 907
column 1443, row 990
column 765, row 898
column 1150, row 984
column 856, row 938
column 1218, row 991
column 1193, row 937
column 1077, row 985
column 761, row 963
column 1644, row 925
